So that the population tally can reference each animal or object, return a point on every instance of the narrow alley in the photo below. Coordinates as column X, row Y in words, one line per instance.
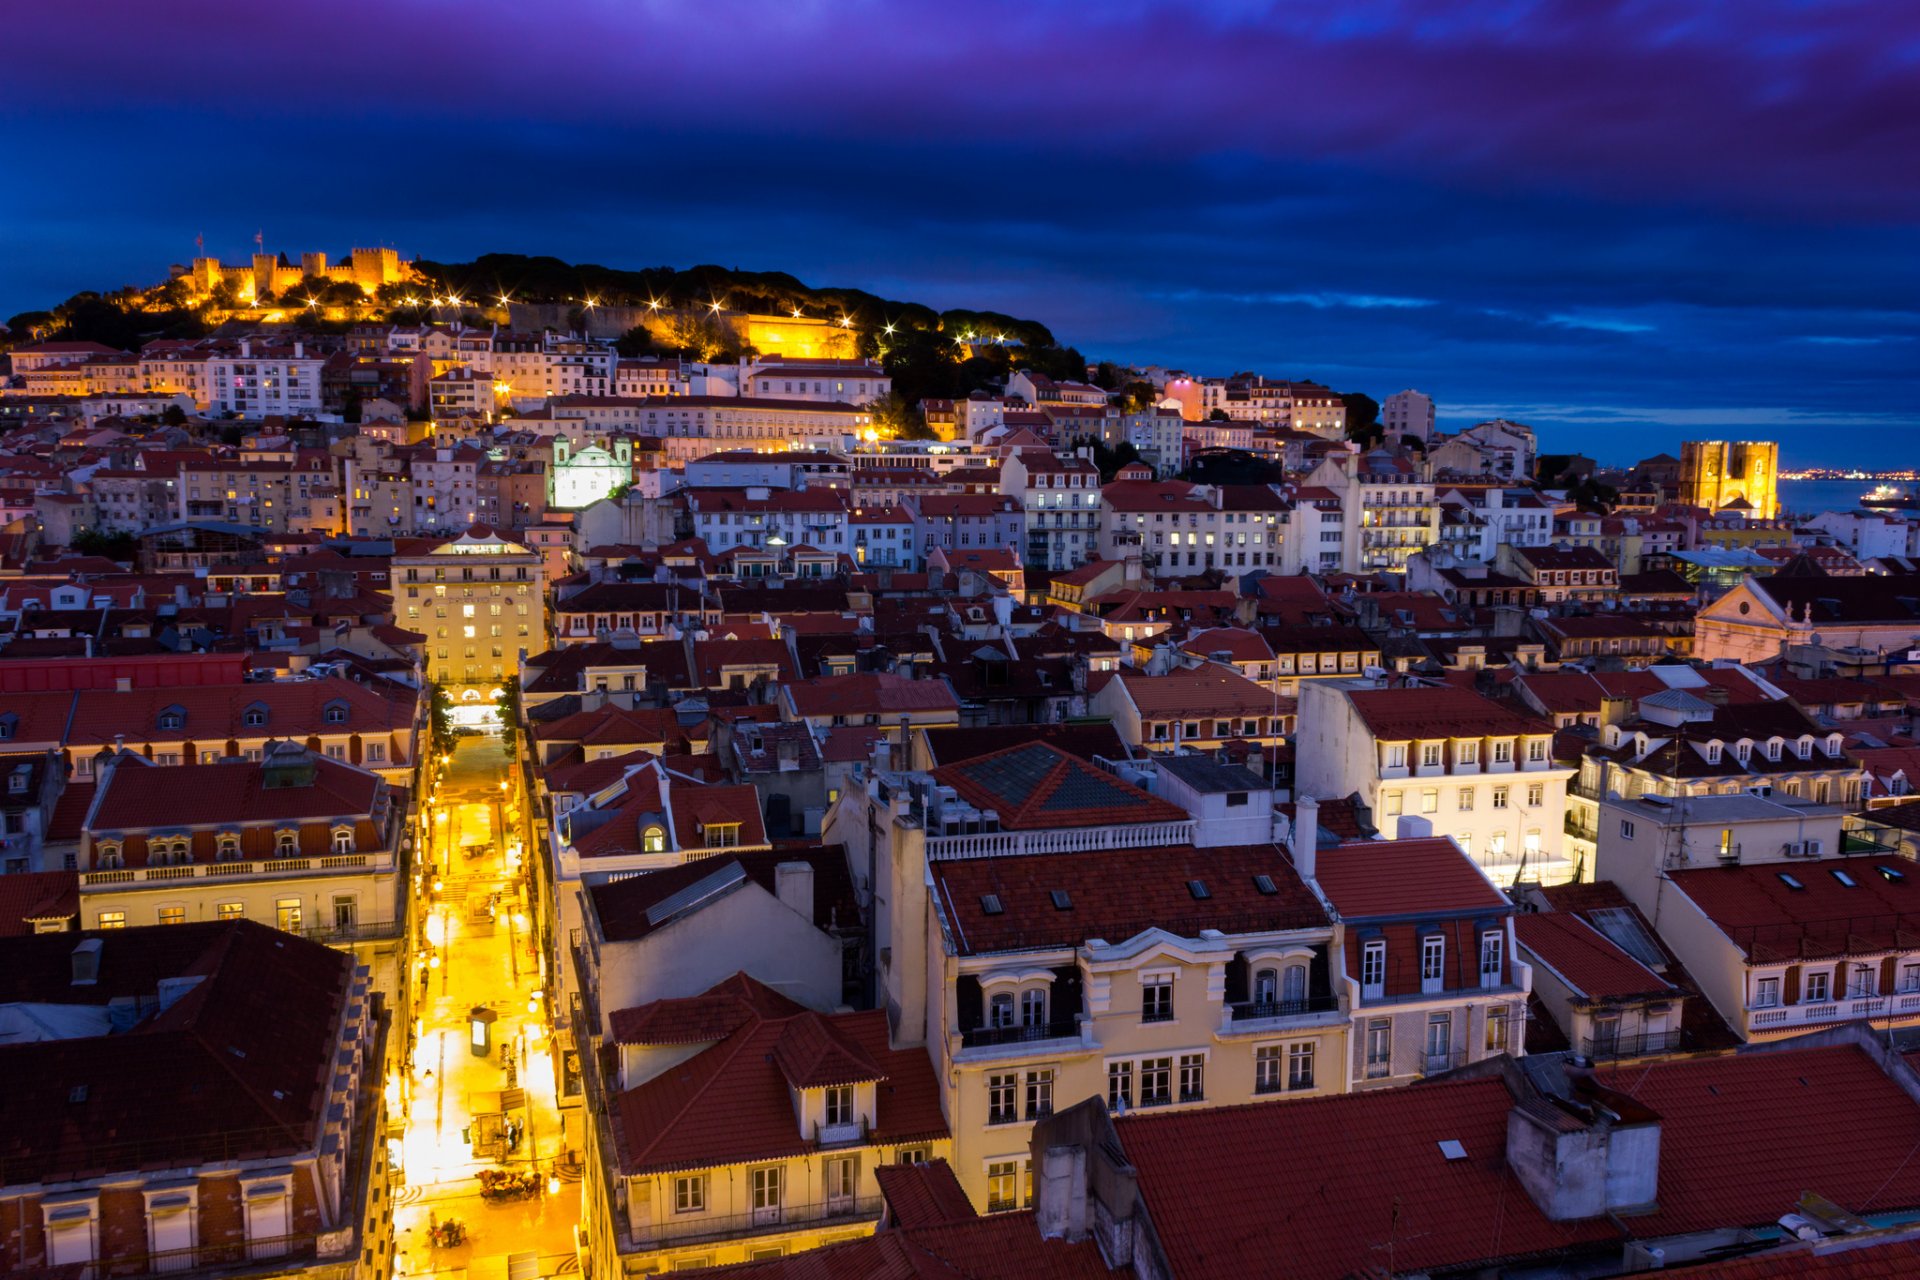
column 480, row 1105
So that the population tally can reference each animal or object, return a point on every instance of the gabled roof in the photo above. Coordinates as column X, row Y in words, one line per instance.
column 1200, row 691
column 732, row 1102
column 140, row 796
column 1423, row 876
column 37, row 895
column 1037, row 785
column 1115, row 894
column 952, row 745
column 714, row 1014
column 869, row 693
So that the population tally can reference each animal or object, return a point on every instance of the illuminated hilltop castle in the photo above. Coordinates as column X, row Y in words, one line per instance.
column 272, row 273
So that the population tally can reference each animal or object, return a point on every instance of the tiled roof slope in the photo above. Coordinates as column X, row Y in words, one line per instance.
column 1116, row 893
column 1037, row 785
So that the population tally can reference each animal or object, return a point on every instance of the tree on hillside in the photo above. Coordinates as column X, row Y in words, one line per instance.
column 636, row 342
column 1363, row 418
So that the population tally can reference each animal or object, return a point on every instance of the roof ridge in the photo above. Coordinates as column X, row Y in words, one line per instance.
column 742, row 1034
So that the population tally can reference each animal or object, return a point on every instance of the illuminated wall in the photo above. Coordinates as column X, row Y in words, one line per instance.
column 1714, row 473
column 586, row 477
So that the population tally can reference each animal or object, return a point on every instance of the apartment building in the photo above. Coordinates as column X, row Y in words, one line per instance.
column 1449, row 760
column 1432, row 981
column 125, row 1157
column 480, row 600
column 1060, row 500
column 1051, row 932
column 1195, row 708
column 778, row 520
column 1388, row 509
column 1178, row 528
column 261, row 380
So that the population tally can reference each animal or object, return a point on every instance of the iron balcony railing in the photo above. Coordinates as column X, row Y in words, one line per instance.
column 1247, row 1010
column 1638, row 1044
column 683, row 1228
column 1055, row 1029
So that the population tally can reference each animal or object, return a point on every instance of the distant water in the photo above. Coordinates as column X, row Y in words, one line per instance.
column 1811, row 497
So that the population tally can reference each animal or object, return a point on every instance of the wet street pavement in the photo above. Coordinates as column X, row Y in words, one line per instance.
column 480, row 1094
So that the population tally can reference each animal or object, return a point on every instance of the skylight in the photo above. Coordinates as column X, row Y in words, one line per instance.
column 1791, row 882
column 990, row 904
column 1062, row 901
column 1198, row 888
column 1845, row 879
column 1452, row 1149
column 1892, row 876
column 1264, row 883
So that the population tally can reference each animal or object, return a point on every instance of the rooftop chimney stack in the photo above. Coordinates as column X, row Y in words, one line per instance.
column 793, row 885
column 1304, row 839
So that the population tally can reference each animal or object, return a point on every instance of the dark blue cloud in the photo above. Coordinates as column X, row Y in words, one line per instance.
column 1627, row 219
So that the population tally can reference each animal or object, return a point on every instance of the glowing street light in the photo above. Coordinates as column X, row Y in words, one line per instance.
column 653, row 304
column 889, row 331
column 714, row 307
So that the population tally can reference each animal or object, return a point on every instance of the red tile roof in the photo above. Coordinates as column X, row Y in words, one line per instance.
column 714, row 1014
column 923, row 1195
column 1404, row 877
column 140, row 796
column 1201, row 691
column 239, row 1065
column 621, row 907
column 1238, row 643
column 1585, row 960
column 869, row 693
column 1037, row 785
column 732, row 1102
column 1411, row 712
column 1115, row 894
column 1769, row 918
column 37, row 895
column 1357, row 1174
column 1743, row 1137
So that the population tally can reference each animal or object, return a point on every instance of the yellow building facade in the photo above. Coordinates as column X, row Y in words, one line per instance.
column 1718, row 473
column 480, row 600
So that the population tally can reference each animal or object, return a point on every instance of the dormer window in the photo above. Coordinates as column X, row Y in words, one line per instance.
column 723, row 835
column 1713, row 751
column 1833, row 744
column 1804, row 747
column 227, row 847
column 9, row 725
column 286, row 842
column 343, row 839
column 1503, row 751
column 653, row 840
column 108, row 855
column 254, row 717
column 1774, row 746
column 1743, row 751
column 1000, row 1010
column 173, row 718
column 839, row 1104
column 335, row 713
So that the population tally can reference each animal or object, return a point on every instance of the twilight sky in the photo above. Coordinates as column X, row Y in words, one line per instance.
column 1623, row 220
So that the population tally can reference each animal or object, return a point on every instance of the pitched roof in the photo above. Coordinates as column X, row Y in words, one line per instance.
column 622, row 905
column 1743, row 1137
column 1199, row 691
column 37, row 895
column 732, row 1102
column 714, row 1014
column 1037, row 785
column 869, row 693
column 1352, row 1174
column 237, row 1066
column 923, row 1194
column 1115, row 894
column 952, row 745
column 1411, row 712
column 1804, row 910
column 1001, row 1246
column 1427, row 875
column 141, row 796
column 1842, row 1258
column 1590, row 965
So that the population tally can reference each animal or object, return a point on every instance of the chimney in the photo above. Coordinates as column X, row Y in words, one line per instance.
column 793, row 885
column 788, row 749
column 1304, row 838
column 86, row 963
column 1585, row 1154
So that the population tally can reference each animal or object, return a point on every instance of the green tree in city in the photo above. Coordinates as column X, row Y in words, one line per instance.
column 441, row 710
column 508, row 710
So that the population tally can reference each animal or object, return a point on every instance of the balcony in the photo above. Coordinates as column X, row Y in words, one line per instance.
column 1767, row 1019
column 849, row 1133
column 270, row 868
column 1640, row 1044
column 995, row 1037
column 1254, row 1016
column 691, row 1227
column 1432, row 1064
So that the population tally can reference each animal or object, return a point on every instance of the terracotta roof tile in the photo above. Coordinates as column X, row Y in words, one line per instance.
column 1038, row 785
column 1404, row 877
column 1585, row 960
column 923, row 1195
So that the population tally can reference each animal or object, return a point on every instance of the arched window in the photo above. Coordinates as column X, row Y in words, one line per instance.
column 182, row 852
column 286, row 842
column 1033, row 1007
column 653, row 840
column 107, row 855
column 1293, row 989
column 1000, row 1011
column 227, row 848
column 1266, row 986
column 343, row 839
